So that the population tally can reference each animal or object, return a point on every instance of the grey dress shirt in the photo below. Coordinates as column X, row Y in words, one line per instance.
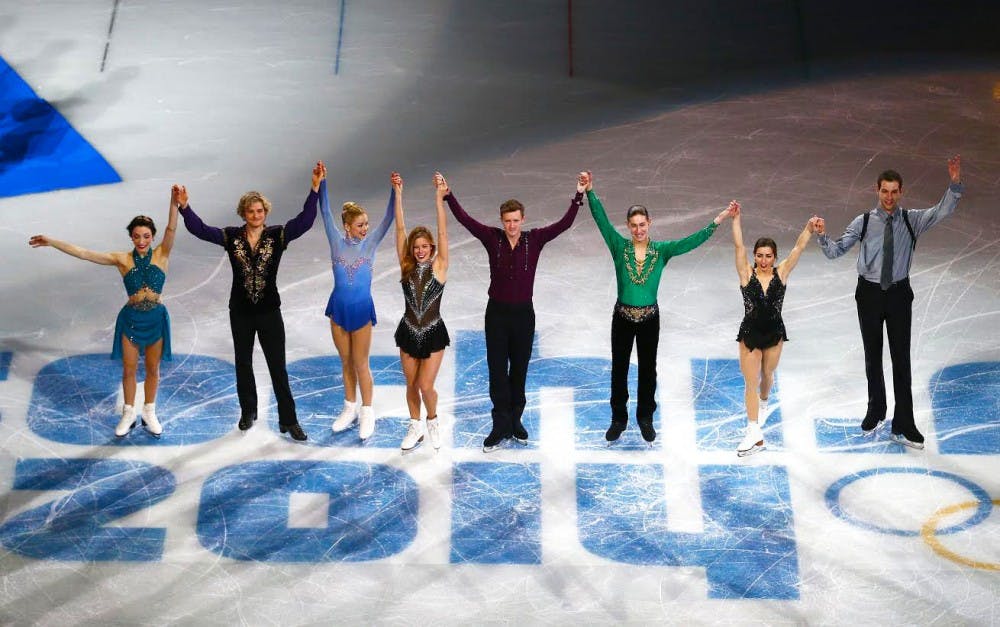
column 870, row 258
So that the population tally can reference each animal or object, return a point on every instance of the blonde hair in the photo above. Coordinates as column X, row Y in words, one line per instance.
column 250, row 198
column 409, row 263
column 351, row 211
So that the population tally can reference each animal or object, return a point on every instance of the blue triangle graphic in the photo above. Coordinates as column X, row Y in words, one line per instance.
column 39, row 150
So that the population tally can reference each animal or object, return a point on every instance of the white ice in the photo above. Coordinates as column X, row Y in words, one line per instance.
column 225, row 98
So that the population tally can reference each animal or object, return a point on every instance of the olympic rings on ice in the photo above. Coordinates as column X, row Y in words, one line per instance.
column 929, row 533
column 983, row 503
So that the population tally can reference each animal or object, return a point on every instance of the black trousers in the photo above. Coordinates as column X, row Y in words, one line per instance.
column 270, row 327
column 894, row 308
column 510, row 330
column 646, row 337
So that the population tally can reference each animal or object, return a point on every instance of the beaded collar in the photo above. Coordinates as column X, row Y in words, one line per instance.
column 636, row 273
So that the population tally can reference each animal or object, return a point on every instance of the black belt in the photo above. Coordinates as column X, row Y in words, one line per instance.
column 904, row 282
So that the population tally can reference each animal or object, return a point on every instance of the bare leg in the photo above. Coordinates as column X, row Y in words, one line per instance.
column 769, row 363
column 427, row 374
column 411, row 367
column 342, row 340
column 750, row 367
column 361, row 344
column 153, row 354
column 130, row 365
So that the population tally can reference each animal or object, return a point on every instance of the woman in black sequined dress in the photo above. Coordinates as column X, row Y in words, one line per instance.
column 421, row 335
column 762, row 332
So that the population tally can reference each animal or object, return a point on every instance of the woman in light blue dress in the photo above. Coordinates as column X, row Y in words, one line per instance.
column 350, row 308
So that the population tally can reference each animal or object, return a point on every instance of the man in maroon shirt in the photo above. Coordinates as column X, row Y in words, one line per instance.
column 510, row 316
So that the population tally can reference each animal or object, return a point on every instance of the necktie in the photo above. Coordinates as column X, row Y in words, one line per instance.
column 887, row 254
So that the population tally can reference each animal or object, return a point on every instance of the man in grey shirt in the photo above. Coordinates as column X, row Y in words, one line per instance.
column 888, row 235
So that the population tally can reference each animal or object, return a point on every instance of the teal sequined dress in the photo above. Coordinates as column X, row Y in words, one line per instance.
column 146, row 322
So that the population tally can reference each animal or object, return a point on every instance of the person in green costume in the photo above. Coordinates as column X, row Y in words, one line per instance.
column 639, row 264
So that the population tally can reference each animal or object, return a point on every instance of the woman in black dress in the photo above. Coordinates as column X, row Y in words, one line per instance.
column 421, row 335
column 762, row 332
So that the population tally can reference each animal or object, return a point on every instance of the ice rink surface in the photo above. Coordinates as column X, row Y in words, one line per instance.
column 209, row 525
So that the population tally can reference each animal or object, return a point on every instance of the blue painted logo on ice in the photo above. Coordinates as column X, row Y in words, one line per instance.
column 747, row 546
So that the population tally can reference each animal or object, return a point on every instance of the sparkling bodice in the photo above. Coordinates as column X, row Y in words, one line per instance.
column 422, row 293
column 760, row 306
column 143, row 274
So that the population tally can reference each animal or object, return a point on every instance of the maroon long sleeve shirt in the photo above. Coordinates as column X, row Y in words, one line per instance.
column 512, row 270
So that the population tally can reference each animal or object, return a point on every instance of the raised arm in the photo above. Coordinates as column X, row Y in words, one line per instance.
column 441, row 260
column 479, row 230
column 555, row 229
column 785, row 267
column 383, row 227
column 104, row 259
column 397, row 188
column 922, row 220
column 177, row 192
column 297, row 226
column 612, row 238
column 743, row 268
column 333, row 232
column 696, row 239
column 836, row 248
column 195, row 226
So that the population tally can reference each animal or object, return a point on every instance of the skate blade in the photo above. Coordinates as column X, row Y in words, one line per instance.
column 750, row 451
column 898, row 439
column 347, row 427
column 146, row 429
column 873, row 432
column 407, row 451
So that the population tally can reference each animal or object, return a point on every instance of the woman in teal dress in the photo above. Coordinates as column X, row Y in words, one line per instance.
column 143, row 323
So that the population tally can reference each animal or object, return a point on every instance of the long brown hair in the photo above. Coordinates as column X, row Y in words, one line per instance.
column 408, row 263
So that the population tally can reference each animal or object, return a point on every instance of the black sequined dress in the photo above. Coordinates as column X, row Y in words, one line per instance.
column 422, row 331
column 762, row 326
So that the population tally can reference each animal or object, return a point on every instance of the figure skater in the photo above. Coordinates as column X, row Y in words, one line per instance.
column 350, row 308
column 143, row 323
column 884, row 297
column 639, row 263
column 510, row 316
column 762, row 332
column 421, row 335
column 255, row 251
